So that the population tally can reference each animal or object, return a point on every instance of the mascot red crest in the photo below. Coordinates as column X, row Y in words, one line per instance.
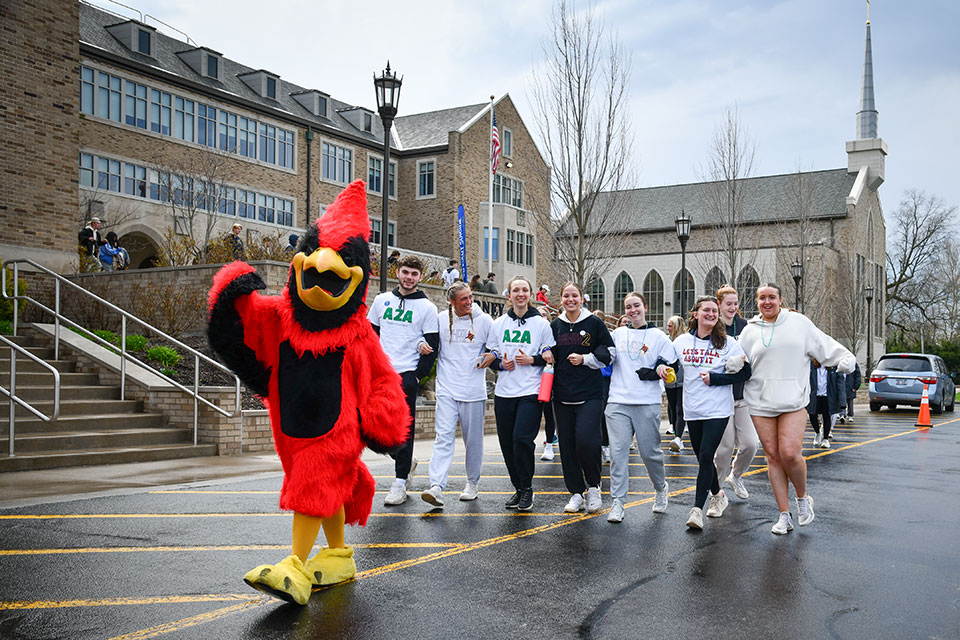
column 312, row 356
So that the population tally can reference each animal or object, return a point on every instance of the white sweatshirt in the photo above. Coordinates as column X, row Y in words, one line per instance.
column 702, row 402
column 779, row 354
column 532, row 335
column 402, row 321
column 637, row 349
column 460, row 346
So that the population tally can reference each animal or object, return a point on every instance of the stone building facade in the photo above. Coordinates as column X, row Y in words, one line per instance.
column 111, row 117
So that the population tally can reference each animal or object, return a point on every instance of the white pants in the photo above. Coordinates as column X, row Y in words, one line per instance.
column 470, row 415
column 741, row 434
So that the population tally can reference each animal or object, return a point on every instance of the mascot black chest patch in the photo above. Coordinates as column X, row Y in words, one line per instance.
column 309, row 389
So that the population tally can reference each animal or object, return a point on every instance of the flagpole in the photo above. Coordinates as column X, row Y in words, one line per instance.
column 490, row 194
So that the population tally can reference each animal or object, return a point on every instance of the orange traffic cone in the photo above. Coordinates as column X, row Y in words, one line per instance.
column 923, row 420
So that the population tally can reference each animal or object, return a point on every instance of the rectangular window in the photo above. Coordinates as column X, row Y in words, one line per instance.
column 86, row 90
column 268, row 143
column 228, row 202
column 425, row 183
column 160, row 110
column 337, row 163
column 494, row 243
column 374, row 174
column 520, row 247
column 529, row 250
column 212, row 66
column 375, row 232
column 108, row 174
column 511, row 234
column 285, row 212
column 248, row 138
column 285, row 148
column 228, row 131
column 246, row 204
column 183, row 121
column 507, row 140
column 136, row 105
column 143, row 41
column 135, row 180
column 206, row 125
column 392, row 181
column 266, row 208
column 86, row 170
column 507, row 190
column 108, row 97
column 322, row 106
column 272, row 88
column 367, row 122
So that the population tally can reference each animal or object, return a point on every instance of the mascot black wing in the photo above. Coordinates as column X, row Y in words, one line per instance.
column 313, row 357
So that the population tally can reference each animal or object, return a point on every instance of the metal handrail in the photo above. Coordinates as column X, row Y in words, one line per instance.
column 12, row 392
column 124, row 354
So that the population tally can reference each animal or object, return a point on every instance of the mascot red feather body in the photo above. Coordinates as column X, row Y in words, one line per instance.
column 312, row 356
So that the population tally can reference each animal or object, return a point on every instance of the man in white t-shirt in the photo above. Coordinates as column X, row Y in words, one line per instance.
column 451, row 275
column 403, row 318
column 461, row 391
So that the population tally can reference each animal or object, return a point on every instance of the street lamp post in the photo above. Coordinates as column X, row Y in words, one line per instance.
column 387, row 88
column 868, row 294
column 796, row 269
column 683, row 234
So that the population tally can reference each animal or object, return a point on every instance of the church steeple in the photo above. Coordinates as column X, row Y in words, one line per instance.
column 867, row 116
column 866, row 154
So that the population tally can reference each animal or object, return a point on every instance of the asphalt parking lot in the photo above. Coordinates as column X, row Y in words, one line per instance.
column 881, row 560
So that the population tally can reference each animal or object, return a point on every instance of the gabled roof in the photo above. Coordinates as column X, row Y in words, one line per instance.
column 412, row 131
column 765, row 198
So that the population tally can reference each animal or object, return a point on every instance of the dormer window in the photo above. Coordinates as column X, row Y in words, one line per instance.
column 266, row 84
column 135, row 36
column 213, row 66
column 360, row 118
column 313, row 101
column 367, row 122
column 321, row 106
column 205, row 62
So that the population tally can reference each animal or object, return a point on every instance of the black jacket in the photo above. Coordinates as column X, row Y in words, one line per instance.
column 588, row 335
column 852, row 382
column 836, row 393
column 734, row 332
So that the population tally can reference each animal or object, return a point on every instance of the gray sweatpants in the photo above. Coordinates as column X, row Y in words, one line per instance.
column 623, row 421
column 470, row 415
column 741, row 434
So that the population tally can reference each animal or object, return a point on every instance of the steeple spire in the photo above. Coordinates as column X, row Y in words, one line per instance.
column 867, row 116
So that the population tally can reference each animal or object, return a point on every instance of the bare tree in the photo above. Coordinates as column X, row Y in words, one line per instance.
column 722, row 190
column 579, row 96
column 922, row 227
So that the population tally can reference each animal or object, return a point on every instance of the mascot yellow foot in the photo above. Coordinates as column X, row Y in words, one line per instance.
column 287, row 580
column 331, row 566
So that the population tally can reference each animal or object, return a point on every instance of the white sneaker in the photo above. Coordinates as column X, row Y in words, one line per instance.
column 718, row 503
column 547, row 454
column 662, row 498
column 575, row 503
column 695, row 519
column 633, row 444
column 676, row 445
column 818, row 438
column 784, row 524
column 605, row 454
column 593, row 499
column 470, row 492
column 805, row 510
column 825, row 443
column 397, row 495
column 738, row 487
column 433, row 495
column 616, row 511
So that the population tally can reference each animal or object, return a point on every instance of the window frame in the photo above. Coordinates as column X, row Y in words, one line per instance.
column 337, row 160
column 506, row 138
column 433, row 178
column 391, row 183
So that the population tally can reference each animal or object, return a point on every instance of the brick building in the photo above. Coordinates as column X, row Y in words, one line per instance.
column 829, row 221
column 106, row 115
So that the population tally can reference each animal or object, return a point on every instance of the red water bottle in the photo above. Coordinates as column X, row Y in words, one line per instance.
column 546, row 384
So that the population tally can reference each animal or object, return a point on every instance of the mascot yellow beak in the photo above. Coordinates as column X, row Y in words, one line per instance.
column 324, row 281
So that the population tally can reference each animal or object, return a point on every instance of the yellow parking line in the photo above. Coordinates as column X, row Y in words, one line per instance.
column 236, row 547
column 120, row 602
column 192, row 621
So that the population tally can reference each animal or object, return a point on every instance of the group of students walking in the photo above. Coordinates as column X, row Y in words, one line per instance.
column 744, row 383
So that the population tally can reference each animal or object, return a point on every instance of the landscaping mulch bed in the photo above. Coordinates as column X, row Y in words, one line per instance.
column 209, row 375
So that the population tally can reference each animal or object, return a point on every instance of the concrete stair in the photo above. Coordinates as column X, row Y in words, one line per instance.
column 94, row 427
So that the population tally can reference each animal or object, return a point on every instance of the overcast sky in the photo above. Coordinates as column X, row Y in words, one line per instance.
column 793, row 69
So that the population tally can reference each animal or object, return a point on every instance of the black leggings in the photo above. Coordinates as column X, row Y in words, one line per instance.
column 705, row 436
column 675, row 409
column 578, row 428
column 403, row 457
column 518, row 423
column 549, row 426
column 823, row 411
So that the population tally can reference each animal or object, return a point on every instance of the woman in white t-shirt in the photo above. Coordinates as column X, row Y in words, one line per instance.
column 520, row 340
column 711, row 364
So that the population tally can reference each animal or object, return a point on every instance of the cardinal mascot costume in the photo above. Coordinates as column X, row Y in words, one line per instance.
column 312, row 356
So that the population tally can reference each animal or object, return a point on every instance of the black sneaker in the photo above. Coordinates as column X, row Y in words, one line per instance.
column 514, row 500
column 526, row 500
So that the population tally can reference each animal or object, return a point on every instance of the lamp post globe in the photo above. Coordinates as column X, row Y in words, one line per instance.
column 387, row 87
column 682, row 223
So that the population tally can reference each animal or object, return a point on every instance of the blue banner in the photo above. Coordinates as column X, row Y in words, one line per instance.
column 462, row 233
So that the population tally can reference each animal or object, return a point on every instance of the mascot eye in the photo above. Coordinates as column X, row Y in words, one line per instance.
column 348, row 255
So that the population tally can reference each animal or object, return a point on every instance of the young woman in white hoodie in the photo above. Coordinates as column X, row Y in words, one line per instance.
column 461, row 391
column 521, row 340
column 779, row 344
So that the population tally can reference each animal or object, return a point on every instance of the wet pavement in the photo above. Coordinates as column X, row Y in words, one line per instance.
column 881, row 560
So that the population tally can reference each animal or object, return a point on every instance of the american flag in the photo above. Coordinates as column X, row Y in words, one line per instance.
column 494, row 146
